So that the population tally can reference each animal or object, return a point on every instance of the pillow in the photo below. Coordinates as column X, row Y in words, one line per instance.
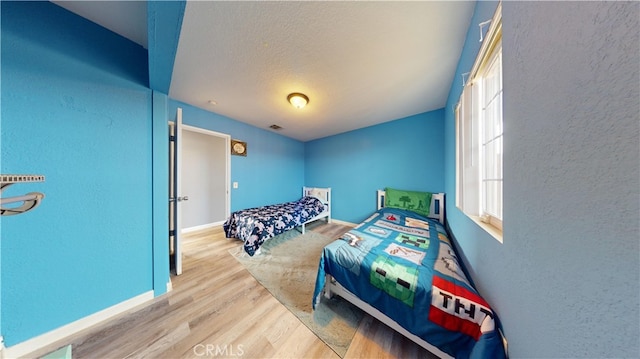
column 318, row 193
column 418, row 202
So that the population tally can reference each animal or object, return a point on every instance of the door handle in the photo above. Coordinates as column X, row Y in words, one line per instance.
column 178, row 199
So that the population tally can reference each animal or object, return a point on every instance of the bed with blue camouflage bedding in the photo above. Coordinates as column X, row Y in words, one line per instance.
column 401, row 268
column 256, row 225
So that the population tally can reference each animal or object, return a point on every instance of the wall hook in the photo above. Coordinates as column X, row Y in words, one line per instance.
column 483, row 24
column 29, row 201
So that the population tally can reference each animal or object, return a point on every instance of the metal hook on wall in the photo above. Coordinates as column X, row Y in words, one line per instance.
column 29, row 201
column 483, row 24
column 464, row 81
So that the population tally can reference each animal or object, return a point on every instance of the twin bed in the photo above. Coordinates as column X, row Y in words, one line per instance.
column 256, row 225
column 399, row 266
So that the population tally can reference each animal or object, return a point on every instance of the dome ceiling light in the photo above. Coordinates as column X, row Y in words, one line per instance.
column 298, row 100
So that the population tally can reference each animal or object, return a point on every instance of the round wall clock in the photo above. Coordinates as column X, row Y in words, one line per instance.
column 238, row 148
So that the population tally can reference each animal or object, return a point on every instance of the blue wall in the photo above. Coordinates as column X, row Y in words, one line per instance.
column 76, row 108
column 160, row 192
column 565, row 282
column 272, row 171
column 164, row 23
column 406, row 154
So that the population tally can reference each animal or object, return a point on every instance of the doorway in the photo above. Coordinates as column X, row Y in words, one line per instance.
column 199, row 177
column 203, row 179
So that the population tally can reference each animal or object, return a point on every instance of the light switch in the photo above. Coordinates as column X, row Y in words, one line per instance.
column 235, row 184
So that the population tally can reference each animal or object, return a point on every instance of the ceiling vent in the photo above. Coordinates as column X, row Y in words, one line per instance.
column 275, row 127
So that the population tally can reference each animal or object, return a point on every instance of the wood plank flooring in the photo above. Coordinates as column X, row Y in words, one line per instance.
column 217, row 309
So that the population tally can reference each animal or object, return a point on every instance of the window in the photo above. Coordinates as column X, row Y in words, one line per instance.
column 479, row 135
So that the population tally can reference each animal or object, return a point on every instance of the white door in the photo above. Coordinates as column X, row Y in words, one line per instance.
column 218, row 198
column 175, row 197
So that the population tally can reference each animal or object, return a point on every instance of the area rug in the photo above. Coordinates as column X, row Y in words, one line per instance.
column 287, row 266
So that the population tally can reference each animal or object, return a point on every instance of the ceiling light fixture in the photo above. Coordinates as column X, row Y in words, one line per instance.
column 298, row 100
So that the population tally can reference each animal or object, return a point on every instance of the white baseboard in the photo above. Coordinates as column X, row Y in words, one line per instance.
column 344, row 223
column 201, row 227
column 29, row 346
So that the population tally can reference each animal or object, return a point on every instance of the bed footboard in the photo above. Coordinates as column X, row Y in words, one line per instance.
column 332, row 288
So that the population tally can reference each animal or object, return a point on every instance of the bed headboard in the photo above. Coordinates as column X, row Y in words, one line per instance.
column 436, row 209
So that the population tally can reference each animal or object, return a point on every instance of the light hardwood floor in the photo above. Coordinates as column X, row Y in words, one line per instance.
column 217, row 309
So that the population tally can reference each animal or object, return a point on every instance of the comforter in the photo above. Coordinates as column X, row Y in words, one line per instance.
column 404, row 265
column 255, row 225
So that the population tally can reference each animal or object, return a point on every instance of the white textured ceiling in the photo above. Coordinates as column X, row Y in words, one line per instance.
column 361, row 63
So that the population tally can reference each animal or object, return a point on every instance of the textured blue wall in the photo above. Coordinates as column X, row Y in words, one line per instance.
column 273, row 170
column 164, row 22
column 76, row 108
column 160, row 159
column 565, row 282
column 405, row 154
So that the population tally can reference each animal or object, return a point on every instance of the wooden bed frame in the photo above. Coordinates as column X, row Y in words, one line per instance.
column 324, row 195
column 332, row 287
